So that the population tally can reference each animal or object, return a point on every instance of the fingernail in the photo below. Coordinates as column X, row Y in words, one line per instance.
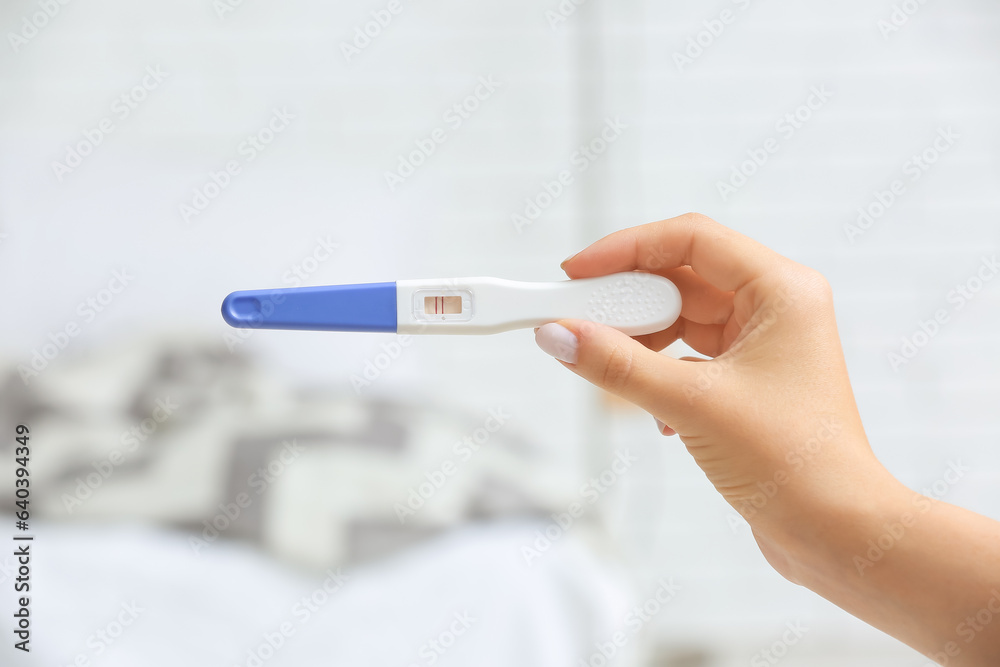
column 567, row 259
column 557, row 341
column 663, row 428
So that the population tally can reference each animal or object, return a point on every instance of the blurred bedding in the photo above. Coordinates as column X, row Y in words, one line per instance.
column 454, row 600
column 307, row 528
column 319, row 479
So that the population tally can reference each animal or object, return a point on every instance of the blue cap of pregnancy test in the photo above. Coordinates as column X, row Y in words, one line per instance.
column 361, row 307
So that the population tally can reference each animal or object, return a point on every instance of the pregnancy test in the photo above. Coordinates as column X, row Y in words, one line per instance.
column 636, row 303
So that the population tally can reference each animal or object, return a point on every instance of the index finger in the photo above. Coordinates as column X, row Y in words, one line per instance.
column 725, row 258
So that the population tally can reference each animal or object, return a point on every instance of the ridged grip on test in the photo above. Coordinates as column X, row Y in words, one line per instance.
column 634, row 301
column 364, row 307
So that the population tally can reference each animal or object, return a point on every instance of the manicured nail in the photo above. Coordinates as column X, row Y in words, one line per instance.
column 663, row 428
column 567, row 259
column 558, row 341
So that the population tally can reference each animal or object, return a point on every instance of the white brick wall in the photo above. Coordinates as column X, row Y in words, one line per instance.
column 324, row 175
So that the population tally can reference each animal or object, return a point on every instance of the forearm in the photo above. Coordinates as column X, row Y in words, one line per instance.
column 923, row 571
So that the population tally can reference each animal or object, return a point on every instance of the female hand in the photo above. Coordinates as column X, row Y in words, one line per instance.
column 771, row 418
column 772, row 421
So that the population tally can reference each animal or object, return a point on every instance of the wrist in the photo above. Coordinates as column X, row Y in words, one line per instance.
column 822, row 541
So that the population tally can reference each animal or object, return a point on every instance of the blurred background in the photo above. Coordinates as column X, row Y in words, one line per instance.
column 228, row 497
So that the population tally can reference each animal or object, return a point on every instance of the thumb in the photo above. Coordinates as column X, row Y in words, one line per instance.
column 623, row 366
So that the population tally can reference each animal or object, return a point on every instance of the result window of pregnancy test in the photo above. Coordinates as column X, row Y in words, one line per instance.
column 442, row 305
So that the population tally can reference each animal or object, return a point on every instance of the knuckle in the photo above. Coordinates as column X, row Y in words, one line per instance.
column 814, row 286
column 618, row 369
column 699, row 219
column 803, row 285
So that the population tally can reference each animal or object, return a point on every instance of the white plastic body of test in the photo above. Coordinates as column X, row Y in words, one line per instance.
column 636, row 303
